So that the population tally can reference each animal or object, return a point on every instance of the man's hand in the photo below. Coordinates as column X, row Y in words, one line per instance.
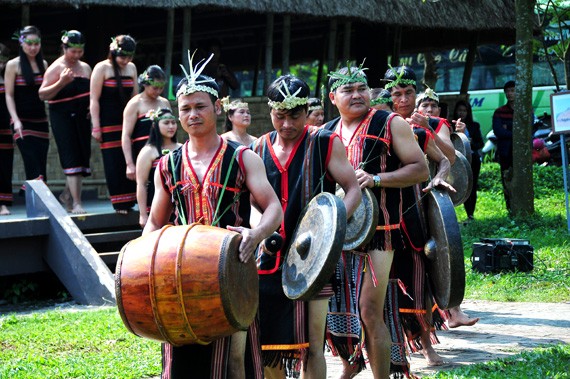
column 249, row 242
column 364, row 179
column 440, row 184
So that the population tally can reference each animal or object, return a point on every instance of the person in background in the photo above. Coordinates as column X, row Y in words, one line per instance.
column 316, row 115
column 113, row 83
column 22, row 80
column 66, row 87
column 6, row 142
column 381, row 99
column 463, row 114
column 136, row 126
column 161, row 140
column 503, row 129
column 238, row 119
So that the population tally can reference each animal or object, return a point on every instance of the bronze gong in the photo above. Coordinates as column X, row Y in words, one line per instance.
column 444, row 250
column 315, row 248
column 461, row 178
column 361, row 226
column 461, row 143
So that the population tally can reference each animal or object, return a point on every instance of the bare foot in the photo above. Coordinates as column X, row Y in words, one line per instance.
column 4, row 211
column 66, row 201
column 432, row 358
column 122, row 211
column 459, row 318
column 78, row 209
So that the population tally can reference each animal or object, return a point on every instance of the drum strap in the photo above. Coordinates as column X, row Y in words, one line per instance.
column 216, row 220
column 174, row 181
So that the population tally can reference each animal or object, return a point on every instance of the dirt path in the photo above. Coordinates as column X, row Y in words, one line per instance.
column 504, row 329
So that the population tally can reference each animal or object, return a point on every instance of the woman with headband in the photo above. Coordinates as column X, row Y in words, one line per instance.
column 22, row 80
column 66, row 88
column 316, row 113
column 238, row 119
column 161, row 140
column 136, row 125
column 113, row 83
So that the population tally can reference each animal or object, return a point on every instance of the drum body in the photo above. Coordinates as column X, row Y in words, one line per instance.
column 186, row 285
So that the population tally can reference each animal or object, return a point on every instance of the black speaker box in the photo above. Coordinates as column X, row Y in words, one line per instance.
column 493, row 255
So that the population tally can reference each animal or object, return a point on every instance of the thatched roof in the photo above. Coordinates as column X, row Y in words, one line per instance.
column 444, row 14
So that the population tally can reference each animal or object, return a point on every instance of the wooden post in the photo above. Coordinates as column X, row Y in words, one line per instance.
column 186, row 30
column 268, row 50
column 169, row 48
column 346, row 41
column 469, row 62
column 331, row 61
column 286, row 43
column 25, row 15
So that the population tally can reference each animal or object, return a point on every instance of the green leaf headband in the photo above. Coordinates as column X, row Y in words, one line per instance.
column 356, row 76
column 65, row 41
column 289, row 101
column 192, row 75
column 315, row 108
column 114, row 46
column 22, row 39
column 380, row 100
column 399, row 80
column 233, row 106
column 153, row 115
column 147, row 80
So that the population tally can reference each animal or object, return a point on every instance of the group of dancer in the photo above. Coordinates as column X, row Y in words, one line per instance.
column 263, row 188
column 103, row 103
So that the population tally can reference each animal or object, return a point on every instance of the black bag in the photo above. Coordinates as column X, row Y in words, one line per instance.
column 493, row 255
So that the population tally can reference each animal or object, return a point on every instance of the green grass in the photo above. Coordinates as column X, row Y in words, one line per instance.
column 95, row 343
column 547, row 232
column 551, row 362
column 66, row 344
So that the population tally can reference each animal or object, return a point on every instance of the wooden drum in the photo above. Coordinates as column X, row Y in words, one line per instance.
column 186, row 285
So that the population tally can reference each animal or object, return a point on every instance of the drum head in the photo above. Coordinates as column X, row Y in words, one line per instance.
column 461, row 178
column 461, row 144
column 315, row 248
column 444, row 250
column 361, row 226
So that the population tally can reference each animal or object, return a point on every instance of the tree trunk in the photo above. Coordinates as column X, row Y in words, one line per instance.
column 522, row 202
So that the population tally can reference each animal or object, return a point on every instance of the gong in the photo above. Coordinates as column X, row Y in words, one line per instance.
column 361, row 226
column 316, row 247
column 461, row 143
column 444, row 250
column 461, row 178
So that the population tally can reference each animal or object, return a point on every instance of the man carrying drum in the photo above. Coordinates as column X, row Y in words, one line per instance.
column 210, row 180
column 301, row 162
column 382, row 150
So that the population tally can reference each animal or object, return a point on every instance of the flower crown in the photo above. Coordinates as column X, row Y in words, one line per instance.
column 315, row 108
column 356, row 76
column 193, row 84
column 114, row 46
column 399, row 80
column 428, row 94
column 65, row 41
column 232, row 106
column 153, row 115
column 289, row 101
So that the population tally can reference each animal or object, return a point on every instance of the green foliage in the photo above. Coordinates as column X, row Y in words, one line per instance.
column 547, row 362
column 86, row 344
column 20, row 291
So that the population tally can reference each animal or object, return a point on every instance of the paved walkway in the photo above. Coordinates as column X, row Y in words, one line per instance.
column 505, row 329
